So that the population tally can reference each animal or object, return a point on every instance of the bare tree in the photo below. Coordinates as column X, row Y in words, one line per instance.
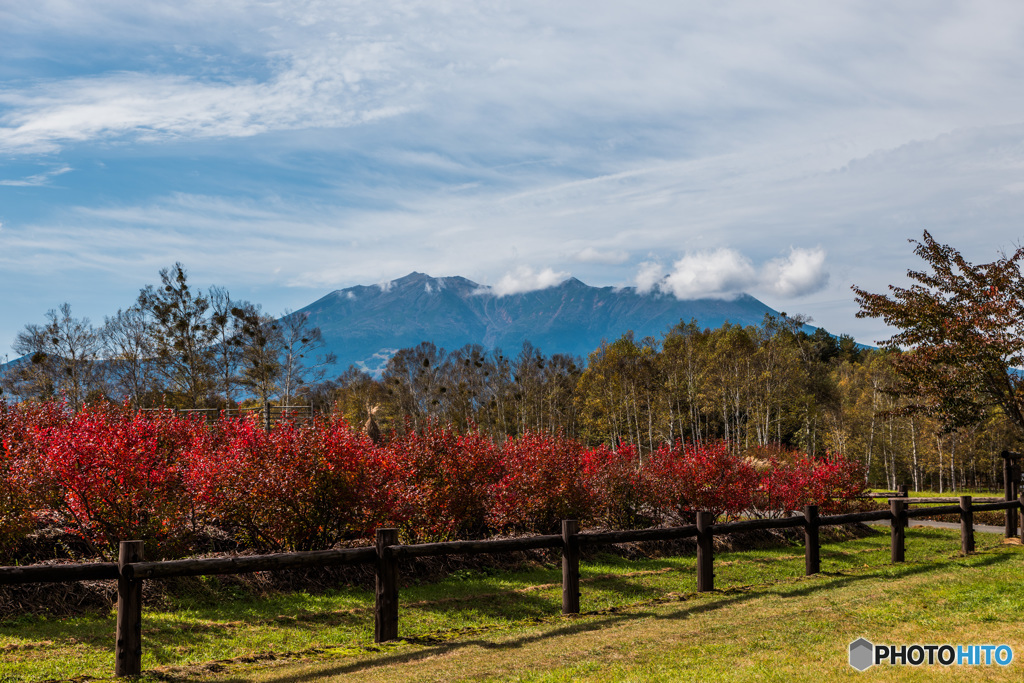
column 61, row 357
column 225, row 329
column 129, row 355
column 300, row 362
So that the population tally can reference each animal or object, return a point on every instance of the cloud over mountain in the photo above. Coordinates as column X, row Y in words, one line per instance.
column 726, row 272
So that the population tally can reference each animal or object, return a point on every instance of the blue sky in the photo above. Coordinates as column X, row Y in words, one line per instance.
column 285, row 149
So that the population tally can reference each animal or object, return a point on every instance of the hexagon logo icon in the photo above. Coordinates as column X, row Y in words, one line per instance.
column 861, row 654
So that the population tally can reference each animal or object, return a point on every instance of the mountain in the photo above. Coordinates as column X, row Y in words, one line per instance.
column 365, row 325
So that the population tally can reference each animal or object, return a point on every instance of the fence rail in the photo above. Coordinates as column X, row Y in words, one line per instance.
column 131, row 569
column 269, row 414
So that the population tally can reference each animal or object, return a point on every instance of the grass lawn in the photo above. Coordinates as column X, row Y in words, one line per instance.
column 642, row 621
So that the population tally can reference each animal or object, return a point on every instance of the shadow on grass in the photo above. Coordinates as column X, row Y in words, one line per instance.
column 595, row 621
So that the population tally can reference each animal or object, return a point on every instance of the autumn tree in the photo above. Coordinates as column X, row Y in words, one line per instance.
column 961, row 330
column 685, row 370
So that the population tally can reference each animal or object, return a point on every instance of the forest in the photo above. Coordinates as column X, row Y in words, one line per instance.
column 751, row 387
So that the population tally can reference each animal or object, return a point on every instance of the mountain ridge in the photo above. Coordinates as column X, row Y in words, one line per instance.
column 364, row 325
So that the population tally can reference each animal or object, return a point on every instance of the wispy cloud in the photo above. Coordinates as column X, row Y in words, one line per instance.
column 36, row 179
column 149, row 108
column 674, row 145
column 592, row 255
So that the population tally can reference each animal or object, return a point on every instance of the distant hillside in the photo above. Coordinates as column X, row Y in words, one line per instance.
column 365, row 325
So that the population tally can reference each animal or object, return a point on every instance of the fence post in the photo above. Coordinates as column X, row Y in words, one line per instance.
column 570, row 567
column 385, row 622
column 899, row 520
column 812, row 550
column 902, row 490
column 705, row 552
column 128, row 647
column 966, row 525
column 1011, row 514
column 1020, row 504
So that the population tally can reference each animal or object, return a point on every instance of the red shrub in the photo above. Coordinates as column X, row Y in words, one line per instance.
column 544, row 482
column 116, row 474
column 791, row 483
column 619, row 487
column 441, row 481
column 688, row 479
column 20, row 428
column 293, row 488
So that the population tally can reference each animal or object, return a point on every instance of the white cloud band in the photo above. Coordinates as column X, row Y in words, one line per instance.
column 725, row 272
column 526, row 279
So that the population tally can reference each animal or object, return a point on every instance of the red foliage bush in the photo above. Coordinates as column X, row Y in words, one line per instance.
column 109, row 473
column 441, row 481
column 544, row 482
column 115, row 474
column 293, row 488
column 20, row 428
column 789, row 482
column 620, row 487
column 686, row 479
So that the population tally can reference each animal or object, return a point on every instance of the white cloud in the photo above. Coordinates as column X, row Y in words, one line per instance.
column 725, row 272
column 153, row 107
column 722, row 272
column 650, row 276
column 526, row 279
column 801, row 273
column 239, row 68
column 37, row 179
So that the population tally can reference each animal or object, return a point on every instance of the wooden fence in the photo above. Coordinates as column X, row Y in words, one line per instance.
column 131, row 569
column 269, row 414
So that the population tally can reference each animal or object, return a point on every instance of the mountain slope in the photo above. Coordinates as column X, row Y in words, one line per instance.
column 365, row 325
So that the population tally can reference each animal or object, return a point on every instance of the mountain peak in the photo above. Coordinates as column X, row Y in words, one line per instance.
column 572, row 283
column 412, row 278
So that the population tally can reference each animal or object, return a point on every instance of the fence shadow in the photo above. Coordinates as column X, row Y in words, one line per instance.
column 688, row 607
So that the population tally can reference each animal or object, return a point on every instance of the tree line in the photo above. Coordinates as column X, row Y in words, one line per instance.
column 175, row 346
column 769, row 385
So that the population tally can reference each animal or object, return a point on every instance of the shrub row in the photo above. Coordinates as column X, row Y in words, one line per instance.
column 108, row 473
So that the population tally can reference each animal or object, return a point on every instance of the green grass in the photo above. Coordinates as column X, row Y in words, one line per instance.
column 642, row 620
